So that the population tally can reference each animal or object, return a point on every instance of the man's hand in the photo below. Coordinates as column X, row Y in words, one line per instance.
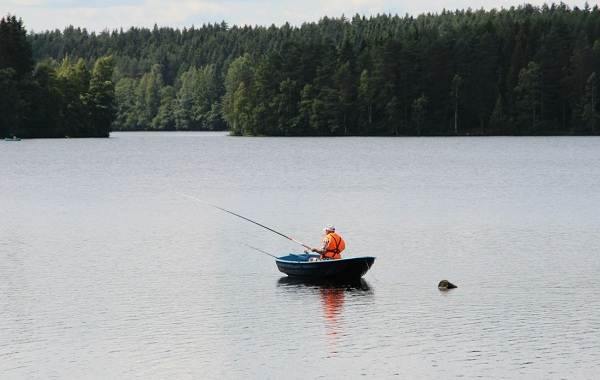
column 315, row 250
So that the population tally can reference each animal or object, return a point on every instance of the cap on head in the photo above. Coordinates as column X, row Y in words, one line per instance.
column 329, row 228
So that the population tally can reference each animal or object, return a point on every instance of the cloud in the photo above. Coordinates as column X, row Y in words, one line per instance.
column 70, row 3
column 98, row 15
column 24, row 3
column 122, row 14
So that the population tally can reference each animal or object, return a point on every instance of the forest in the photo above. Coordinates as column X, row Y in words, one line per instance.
column 51, row 98
column 524, row 70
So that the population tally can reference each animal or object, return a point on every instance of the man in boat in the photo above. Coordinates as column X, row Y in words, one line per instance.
column 333, row 245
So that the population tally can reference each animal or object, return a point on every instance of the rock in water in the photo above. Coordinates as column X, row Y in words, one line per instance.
column 445, row 285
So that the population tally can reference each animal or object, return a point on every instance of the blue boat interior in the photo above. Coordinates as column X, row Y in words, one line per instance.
column 299, row 257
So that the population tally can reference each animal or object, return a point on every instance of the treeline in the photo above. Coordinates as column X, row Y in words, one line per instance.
column 166, row 79
column 519, row 71
column 50, row 98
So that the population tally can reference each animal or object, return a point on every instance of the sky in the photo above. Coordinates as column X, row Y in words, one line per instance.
column 96, row 15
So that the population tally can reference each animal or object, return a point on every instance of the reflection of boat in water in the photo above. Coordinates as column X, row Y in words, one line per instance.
column 300, row 265
column 335, row 297
column 303, row 282
column 333, row 300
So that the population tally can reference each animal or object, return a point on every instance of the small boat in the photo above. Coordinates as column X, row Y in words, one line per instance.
column 14, row 138
column 308, row 266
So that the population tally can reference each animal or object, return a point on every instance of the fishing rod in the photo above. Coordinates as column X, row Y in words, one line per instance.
column 260, row 250
column 249, row 220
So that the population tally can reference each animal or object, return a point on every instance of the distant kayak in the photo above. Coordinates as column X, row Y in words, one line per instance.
column 12, row 139
column 298, row 265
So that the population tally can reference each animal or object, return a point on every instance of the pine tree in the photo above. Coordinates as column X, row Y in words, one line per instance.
column 419, row 110
column 455, row 93
column 498, row 119
column 165, row 117
column 74, row 81
column 101, row 98
column 366, row 97
column 9, row 103
column 590, row 115
column 15, row 50
column 42, row 104
column 125, row 99
column 528, row 93
column 240, row 73
column 148, row 96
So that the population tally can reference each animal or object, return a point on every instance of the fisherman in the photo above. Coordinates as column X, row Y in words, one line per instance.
column 333, row 245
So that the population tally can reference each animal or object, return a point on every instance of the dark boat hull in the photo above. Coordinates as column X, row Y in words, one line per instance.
column 298, row 265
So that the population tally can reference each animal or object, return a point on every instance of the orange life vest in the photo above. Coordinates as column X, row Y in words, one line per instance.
column 335, row 247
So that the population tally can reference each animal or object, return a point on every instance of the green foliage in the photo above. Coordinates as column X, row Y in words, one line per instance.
column 367, row 91
column 100, row 98
column 9, row 102
column 125, row 98
column 15, row 64
column 236, row 104
column 15, row 50
column 457, row 82
column 147, row 96
column 589, row 110
column 165, row 118
column 197, row 103
column 73, row 80
column 419, row 110
column 51, row 108
column 529, row 99
column 521, row 70
column 53, row 99
column 498, row 119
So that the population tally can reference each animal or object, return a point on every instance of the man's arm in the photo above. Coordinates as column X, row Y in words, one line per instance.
column 323, row 249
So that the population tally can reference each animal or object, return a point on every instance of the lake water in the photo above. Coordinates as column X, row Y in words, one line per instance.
column 106, row 271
